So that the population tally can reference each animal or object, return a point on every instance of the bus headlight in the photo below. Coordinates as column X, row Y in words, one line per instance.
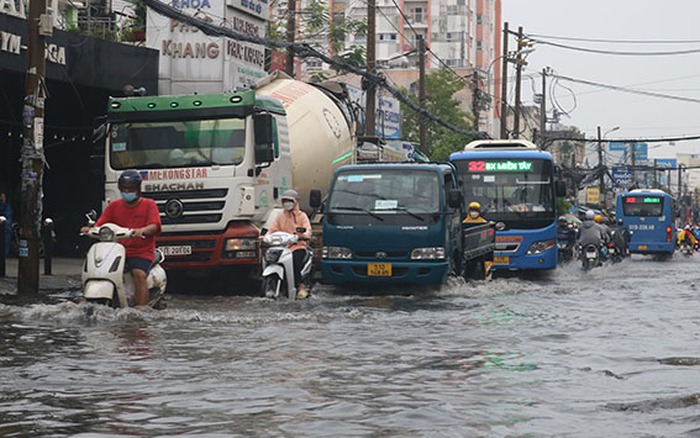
column 540, row 247
column 336, row 252
column 240, row 248
column 432, row 253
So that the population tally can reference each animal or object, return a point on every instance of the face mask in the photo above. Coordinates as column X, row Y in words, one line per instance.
column 128, row 197
column 288, row 205
column 474, row 214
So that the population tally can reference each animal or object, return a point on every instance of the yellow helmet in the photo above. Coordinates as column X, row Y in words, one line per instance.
column 598, row 218
column 474, row 206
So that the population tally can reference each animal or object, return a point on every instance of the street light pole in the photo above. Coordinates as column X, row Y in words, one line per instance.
column 601, row 163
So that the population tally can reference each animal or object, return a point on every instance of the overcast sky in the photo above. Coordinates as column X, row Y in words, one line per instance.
column 664, row 23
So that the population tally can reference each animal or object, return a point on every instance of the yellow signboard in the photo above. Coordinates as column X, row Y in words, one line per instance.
column 592, row 195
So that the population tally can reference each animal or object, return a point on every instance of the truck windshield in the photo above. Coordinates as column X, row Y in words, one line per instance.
column 177, row 144
column 386, row 194
column 509, row 190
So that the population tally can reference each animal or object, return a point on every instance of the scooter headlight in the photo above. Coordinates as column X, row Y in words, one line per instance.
column 272, row 255
column 106, row 234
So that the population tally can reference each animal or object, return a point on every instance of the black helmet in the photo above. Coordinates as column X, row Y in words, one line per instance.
column 130, row 179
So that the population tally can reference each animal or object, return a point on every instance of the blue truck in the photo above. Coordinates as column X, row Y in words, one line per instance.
column 400, row 223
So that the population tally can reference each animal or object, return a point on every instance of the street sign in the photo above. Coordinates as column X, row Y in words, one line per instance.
column 669, row 163
column 617, row 146
column 640, row 150
column 622, row 175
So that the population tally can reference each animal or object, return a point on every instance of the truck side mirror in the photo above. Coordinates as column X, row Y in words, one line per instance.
column 315, row 198
column 454, row 198
column 560, row 188
column 264, row 138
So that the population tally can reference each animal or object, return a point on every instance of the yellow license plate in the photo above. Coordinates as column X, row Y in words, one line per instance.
column 642, row 247
column 379, row 269
column 501, row 260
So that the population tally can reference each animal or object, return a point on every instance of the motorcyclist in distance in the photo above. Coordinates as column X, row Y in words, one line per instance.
column 566, row 234
column 592, row 232
column 474, row 214
column 685, row 236
column 621, row 237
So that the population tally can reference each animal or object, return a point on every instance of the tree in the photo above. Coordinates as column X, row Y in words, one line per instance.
column 323, row 31
column 441, row 86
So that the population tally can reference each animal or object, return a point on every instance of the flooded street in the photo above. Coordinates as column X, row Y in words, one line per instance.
column 613, row 352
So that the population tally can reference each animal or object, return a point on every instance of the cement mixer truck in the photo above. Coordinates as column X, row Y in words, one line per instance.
column 217, row 164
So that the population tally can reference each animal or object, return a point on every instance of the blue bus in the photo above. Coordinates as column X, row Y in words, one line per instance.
column 514, row 183
column 648, row 215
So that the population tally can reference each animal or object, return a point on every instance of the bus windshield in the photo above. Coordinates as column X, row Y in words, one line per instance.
column 156, row 145
column 384, row 194
column 642, row 206
column 515, row 190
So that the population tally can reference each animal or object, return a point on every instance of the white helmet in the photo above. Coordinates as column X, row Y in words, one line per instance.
column 590, row 214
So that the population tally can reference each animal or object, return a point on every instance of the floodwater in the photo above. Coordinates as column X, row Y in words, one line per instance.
column 610, row 353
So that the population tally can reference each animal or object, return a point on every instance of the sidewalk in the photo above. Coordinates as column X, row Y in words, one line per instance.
column 65, row 275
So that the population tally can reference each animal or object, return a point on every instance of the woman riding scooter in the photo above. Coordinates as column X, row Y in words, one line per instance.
column 292, row 220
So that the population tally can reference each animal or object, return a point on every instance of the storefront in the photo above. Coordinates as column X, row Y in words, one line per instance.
column 81, row 73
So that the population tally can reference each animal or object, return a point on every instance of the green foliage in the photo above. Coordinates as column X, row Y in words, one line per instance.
column 563, row 206
column 316, row 23
column 441, row 86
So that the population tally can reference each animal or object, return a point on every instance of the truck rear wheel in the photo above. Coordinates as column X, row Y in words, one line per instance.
column 475, row 270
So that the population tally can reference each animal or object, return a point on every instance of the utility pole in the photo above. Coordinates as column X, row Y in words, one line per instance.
column 634, row 164
column 601, row 180
column 371, row 89
column 504, row 84
column 32, row 154
column 291, row 35
column 475, row 98
column 519, row 61
column 421, row 90
column 543, row 109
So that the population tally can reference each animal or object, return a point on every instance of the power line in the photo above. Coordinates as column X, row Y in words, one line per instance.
column 614, row 52
column 628, row 90
column 614, row 41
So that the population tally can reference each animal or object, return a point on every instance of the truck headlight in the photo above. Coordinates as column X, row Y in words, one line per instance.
column 540, row 247
column 240, row 248
column 238, row 244
column 336, row 252
column 432, row 253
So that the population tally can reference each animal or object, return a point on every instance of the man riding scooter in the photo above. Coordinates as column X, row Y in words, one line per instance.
column 592, row 233
column 141, row 215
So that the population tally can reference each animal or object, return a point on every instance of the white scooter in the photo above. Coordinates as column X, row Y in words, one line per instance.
column 278, row 265
column 103, row 277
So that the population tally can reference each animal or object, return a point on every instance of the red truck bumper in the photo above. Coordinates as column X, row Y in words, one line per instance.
column 238, row 245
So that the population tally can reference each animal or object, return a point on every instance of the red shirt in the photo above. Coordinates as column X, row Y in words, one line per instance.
column 145, row 212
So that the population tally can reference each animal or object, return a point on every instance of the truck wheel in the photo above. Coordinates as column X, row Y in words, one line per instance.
column 475, row 270
column 456, row 266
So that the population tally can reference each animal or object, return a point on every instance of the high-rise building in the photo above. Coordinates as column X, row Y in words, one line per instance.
column 463, row 35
